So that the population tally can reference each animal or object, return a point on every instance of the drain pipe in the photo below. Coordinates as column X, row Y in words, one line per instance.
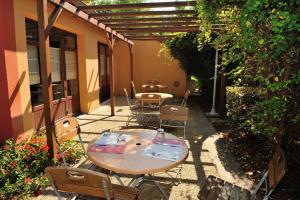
column 213, row 112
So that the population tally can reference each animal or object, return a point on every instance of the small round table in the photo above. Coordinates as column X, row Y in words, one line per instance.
column 162, row 95
column 133, row 161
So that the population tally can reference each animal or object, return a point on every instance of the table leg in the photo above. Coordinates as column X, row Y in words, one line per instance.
column 165, row 197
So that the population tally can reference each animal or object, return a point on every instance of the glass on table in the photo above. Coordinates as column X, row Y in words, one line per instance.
column 160, row 136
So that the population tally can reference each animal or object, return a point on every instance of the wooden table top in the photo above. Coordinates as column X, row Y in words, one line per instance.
column 162, row 95
column 133, row 161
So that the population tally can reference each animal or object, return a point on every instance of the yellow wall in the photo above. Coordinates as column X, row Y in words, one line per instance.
column 148, row 64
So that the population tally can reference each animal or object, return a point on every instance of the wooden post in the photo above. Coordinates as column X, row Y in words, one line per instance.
column 131, row 68
column 112, row 73
column 222, row 91
column 45, row 65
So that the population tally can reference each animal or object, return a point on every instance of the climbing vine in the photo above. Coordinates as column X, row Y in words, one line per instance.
column 261, row 39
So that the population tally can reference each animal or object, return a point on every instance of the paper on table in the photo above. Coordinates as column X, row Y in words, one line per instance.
column 165, row 152
column 109, row 138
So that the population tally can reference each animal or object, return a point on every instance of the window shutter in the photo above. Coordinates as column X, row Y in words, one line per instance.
column 71, row 65
column 33, row 64
column 55, row 64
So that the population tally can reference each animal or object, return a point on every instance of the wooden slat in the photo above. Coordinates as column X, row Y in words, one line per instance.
column 54, row 17
column 44, row 54
column 143, row 13
column 148, row 19
column 82, row 15
column 157, row 27
column 152, row 24
column 152, row 30
column 138, row 5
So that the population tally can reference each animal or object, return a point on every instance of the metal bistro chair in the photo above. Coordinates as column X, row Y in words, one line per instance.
column 66, row 129
column 135, row 109
column 216, row 188
column 133, row 88
column 150, row 106
column 173, row 116
column 88, row 183
column 185, row 97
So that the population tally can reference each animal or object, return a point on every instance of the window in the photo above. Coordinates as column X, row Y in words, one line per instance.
column 63, row 57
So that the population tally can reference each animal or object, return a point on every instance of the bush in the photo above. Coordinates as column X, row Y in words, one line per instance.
column 22, row 166
column 239, row 102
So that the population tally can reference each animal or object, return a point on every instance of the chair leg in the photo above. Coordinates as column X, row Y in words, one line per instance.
column 184, row 130
column 62, row 156
column 81, row 142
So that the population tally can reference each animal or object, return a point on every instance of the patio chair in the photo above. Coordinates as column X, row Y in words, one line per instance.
column 153, row 81
column 66, row 129
column 88, row 183
column 216, row 188
column 150, row 106
column 133, row 88
column 173, row 116
column 152, row 88
column 135, row 109
column 185, row 97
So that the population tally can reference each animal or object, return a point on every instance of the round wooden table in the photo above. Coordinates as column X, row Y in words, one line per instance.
column 134, row 161
column 162, row 95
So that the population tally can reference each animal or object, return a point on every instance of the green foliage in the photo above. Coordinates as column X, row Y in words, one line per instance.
column 260, row 44
column 239, row 103
column 194, row 61
column 73, row 152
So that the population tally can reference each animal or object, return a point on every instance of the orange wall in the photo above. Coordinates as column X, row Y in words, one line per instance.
column 87, row 38
column 149, row 63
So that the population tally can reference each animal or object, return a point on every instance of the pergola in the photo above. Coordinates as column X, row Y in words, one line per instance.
column 119, row 22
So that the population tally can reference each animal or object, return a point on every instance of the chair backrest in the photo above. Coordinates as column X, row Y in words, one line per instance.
column 81, row 181
column 185, row 98
column 153, row 81
column 152, row 88
column 133, row 88
column 127, row 97
column 173, row 113
column 277, row 167
column 150, row 99
column 65, row 129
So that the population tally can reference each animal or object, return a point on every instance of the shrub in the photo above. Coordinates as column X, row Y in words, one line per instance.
column 22, row 166
column 239, row 102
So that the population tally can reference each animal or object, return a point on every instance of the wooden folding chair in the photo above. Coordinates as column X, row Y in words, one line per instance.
column 66, row 129
column 153, row 81
column 216, row 188
column 152, row 88
column 173, row 116
column 87, row 182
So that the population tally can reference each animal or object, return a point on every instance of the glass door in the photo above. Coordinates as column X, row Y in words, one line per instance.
column 104, row 72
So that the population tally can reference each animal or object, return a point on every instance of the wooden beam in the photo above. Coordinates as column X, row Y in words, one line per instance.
column 111, row 39
column 148, row 19
column 138, row 5
column 143, row 13
column 45, row 66
column 85, row 17
column 54, row 16
column 153, row 24
column 160, row 29
column 131, row 69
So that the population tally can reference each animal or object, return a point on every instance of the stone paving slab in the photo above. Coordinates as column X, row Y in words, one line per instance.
column 202, row 160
